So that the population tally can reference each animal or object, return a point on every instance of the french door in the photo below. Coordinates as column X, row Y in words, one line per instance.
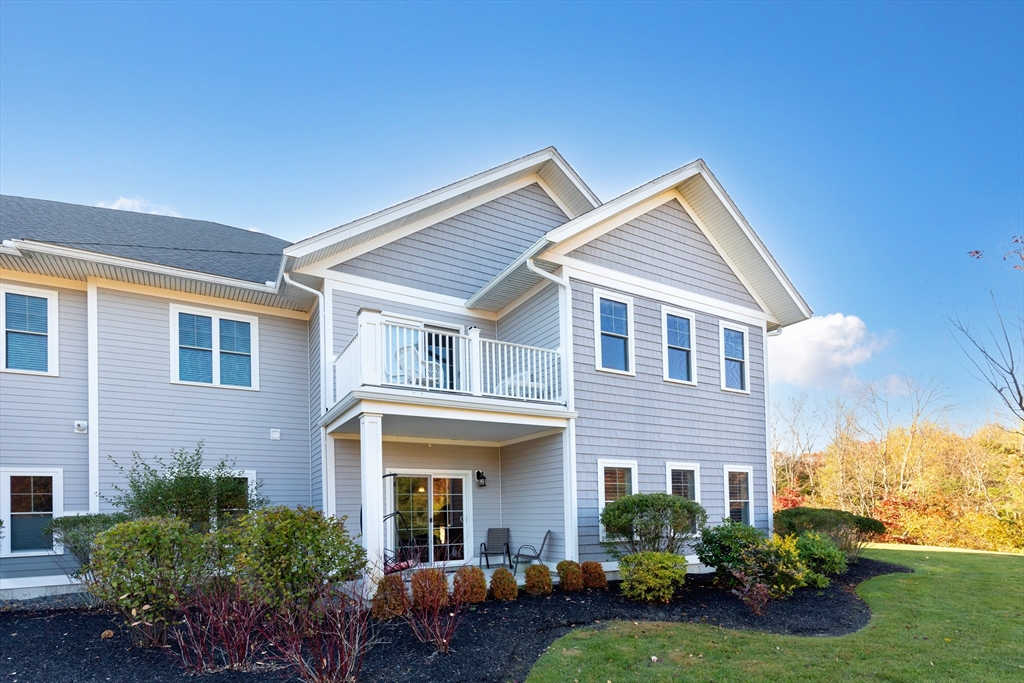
column 431, row 523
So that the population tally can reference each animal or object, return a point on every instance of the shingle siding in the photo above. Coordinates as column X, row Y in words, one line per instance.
column 532, row 494
column 666, row 246
column 534, row 322
column 461, row 254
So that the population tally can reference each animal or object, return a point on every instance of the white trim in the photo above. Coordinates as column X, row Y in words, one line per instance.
column 630, row 331
column 750, row 489
column 603, row 463
column 364, row 286
column 92, row 343
column 666, row 311
column 422, row 323
column 669, row 466
column 52, row 328
column 637, row 286
column 216, row 316
column 555, row 198
column 455, row 442
column 526, row 296
column 767, row 435
column 569, row 503
column 37, row 581
column 469, row 547
column 722, row 327
column 199, row 299
column 598, row 229
column 57, row 473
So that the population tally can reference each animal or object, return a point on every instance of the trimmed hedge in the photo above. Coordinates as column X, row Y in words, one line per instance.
column 470, row 585
column 503, row 585
column 655, row 522
column 570, row 576
column 538, row 580
column 593, row 575
column 722, row 547
column 651, row 576
column 848, row 531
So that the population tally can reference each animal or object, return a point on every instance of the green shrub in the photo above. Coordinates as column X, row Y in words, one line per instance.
column 77, row 534
column 141, row 567
column 286, row 552
column 848, row 531
column 570, row 576
column 722, row 547
column 655, row 522
column 651, row 576
column 391, row 599
column 503, row 585
column 185, row 489
column 538, row 580
column 593, row 575
column 776, row 563
column 469, row 585
column 821, row 557
column 429, row 588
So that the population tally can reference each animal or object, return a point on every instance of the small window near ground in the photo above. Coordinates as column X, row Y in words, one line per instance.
column 678, row 333
column 734, row 359
column 739, row 496
column 684, row 484
column 616, row 479
column 31, row 510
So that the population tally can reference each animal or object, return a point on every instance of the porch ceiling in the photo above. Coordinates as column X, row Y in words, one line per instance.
column 412, row 426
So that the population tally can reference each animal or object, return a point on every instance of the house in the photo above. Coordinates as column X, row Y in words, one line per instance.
column 506, row 351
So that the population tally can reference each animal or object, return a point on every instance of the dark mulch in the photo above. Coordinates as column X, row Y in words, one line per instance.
column 495, row 642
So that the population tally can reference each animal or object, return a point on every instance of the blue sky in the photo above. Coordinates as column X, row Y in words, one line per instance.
column 871, row 145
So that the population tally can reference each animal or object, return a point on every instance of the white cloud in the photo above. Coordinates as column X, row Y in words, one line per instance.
column 139, row 205
column 823, row 352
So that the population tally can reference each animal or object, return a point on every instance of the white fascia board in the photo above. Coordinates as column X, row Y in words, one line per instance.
column 496, row 282
column 570, row 173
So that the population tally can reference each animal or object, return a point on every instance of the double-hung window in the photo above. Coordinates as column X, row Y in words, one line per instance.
column 677, row 349
column 734, row 350
column 739, row 493
column 29, row 500
column 616, row 479
column 214, row 348
column 683, row 479
column 29, row 340
column 613, row 332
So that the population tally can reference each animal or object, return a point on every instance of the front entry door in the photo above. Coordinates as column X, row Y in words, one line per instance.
column 431, row 525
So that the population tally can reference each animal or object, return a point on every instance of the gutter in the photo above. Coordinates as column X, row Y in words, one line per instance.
column 323, row 336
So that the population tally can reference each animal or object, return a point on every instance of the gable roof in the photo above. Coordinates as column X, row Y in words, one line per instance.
column 714, row 211
column 569, row 189
column 199, row 246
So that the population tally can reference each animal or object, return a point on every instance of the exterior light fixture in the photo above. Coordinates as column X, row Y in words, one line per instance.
column 481, row 480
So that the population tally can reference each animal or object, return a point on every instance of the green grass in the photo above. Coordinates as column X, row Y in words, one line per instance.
column 959, row 617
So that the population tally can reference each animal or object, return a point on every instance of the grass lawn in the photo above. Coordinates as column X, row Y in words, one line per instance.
column 960, row 616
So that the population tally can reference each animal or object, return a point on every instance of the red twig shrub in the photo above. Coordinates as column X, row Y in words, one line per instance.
column 752, row 592
column 434, row 615
column 593, row 575
column 219, row 628
column 538, row 580
column 470, row 586
column 789, row 498
column 570, row 576
column 391, row 599
column 429, row 588
column 503, row 585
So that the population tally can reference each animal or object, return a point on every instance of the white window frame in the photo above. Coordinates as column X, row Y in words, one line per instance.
column 722, row 327
column 217, row 315
column 666, row 311
column 472, row 548
column 52, row 336
column 57, row 473
column 602, row 464
column 630, row 331
column 669, row 466
column 750, row 488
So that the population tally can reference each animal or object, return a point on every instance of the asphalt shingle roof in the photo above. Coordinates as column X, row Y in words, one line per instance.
column 200, row 246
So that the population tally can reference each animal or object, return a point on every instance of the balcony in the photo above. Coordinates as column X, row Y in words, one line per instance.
column 420, row 358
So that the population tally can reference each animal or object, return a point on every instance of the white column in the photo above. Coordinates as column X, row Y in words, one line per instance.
column 93, row 373
column 370, row 340
column 475, row 361
column 371, row 471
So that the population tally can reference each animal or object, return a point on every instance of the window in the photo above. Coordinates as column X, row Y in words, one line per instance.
column 738, row 493
column 616, row 479
column 29, row 340
column 677, row 350
column 208, row 347
column 29, row 499
column 734, row 358
column 682, row 480
column 613, row 329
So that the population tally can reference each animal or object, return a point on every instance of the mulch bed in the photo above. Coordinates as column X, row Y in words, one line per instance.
column 495, row 641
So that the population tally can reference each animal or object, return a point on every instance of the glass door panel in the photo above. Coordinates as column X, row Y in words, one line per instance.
column 430, row 524
column 449, row 520
column 412, row 523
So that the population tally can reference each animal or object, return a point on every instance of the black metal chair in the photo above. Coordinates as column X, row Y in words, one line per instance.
column 497, row 544
column 531, row 556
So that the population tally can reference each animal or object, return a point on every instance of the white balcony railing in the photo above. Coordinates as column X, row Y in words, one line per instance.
column 398, row 355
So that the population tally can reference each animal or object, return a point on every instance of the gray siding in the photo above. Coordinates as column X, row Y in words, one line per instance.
column 316, row 476
column 37, row 413
column 647, row 419
column 461, row 254
column 534, row 322
column 141, row 410
column 532, row 494
column 41, row 565
column 666, row 246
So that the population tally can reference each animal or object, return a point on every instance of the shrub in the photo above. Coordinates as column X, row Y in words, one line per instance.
column 429, row 587
column 848, row 531
column 285, row 552
column 185, row 489
column 821, row 557
column 141, row 566
column 503, row 585
column 470, row 585
column 655, row 522
column 77, row 533
column 752, row 592
column 570, row 576
column 538, row 580
column 722, row 547
column 652, row 577
column 593, row 575
column 391, row 599
column 776, row 563
column 218, row 627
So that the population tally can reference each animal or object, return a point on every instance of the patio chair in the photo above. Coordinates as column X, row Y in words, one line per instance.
column 497, row 544
column 529, row 557
column 414, row 370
